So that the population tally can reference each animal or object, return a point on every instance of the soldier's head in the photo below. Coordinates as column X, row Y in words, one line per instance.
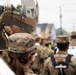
column 73, row 38
column 73, row 35
column 21, row 43
column 48, row 44
column 38, row 39
column 21, row 50
column 63, row 42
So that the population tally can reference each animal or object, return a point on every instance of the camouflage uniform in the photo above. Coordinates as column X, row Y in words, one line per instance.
column 42, row 54
column 49, row 69
column 21, row 43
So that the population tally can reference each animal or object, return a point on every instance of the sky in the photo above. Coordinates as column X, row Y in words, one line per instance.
column 49, row 12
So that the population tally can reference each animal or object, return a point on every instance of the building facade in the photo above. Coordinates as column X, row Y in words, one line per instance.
column 46, row 31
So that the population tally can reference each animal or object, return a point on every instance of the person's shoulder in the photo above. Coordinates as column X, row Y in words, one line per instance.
column 39, row 48
column 44, row 52
column 50, row 50
column 73, row 60
column 72, row 66
column 47, row 61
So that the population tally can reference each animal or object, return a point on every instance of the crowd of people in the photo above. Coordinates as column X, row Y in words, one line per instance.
column 28, row 54
column 24, row 53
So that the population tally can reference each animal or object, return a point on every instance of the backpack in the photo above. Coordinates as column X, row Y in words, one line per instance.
column 61, row 65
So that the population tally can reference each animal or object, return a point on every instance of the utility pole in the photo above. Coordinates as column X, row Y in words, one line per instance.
column 60, row 21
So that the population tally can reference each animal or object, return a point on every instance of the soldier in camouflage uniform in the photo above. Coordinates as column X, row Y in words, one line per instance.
column 43, row 53
column 7, row 31
column 63, row 45
column 21, row 50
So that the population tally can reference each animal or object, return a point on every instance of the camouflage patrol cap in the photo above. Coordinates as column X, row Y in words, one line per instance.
column 73, row 33
column 62, row 39
column 21, row 42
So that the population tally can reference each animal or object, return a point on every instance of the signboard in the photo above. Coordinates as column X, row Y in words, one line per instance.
column 4, row 68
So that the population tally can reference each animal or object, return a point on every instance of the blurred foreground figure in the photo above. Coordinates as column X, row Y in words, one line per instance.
column 16, row 18
column 61, row 63
column 4, row 68
column 21, row 50
column 72, row 48
column 38, row 41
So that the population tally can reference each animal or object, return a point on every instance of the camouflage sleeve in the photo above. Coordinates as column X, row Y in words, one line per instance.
column 45, row 52
column 45, row 70
column 73, row 60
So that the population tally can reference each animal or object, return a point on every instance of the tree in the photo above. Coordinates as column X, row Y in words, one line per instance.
column 18, row 8
column 64, row 32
